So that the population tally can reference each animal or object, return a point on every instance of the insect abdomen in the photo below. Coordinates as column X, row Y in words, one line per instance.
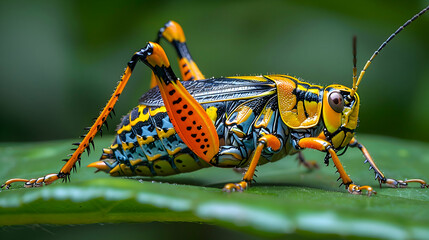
column 147, row 144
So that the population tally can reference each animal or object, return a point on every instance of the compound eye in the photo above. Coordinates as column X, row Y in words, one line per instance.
column 336, row 101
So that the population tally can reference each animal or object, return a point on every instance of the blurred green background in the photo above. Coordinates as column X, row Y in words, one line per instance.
column 60, row 60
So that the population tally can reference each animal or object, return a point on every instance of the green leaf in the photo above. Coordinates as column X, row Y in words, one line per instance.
column 288, row 199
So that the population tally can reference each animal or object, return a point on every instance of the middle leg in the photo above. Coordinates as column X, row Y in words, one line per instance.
column 310, row 165
column 266, row 141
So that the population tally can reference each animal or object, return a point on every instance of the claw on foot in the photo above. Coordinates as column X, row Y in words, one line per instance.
column 355, row 189
column 10, row 181
column 48, row 179
column 235, row 187
column 403, row 184
column 423, row 184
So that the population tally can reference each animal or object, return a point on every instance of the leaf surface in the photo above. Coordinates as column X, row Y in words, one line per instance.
column 287, row 198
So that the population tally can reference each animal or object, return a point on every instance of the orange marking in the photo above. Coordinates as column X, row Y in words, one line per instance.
column 313, row 143
column 272, row 142
column 158, row 57
column 173, row 31
column 243, row 113
column 189, row 69
column 322, row 136
column 100, row 165
column 190, row 120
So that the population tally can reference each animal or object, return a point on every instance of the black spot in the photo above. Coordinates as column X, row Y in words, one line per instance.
column 199, row 127
column 194, row 122
column 179, row 111
column 189, row 128
column 205, row 152
column 194, row 135
column 202, row 146
column 203, row 134
column 198, row 140
column 185, row 106
column 134, row 114
column 138, row 170
column 190, row 113
column 177, row 101
column 183, row 118
column 206, row 140
column 208, row 145
column 172, row 92
column 157, row 166
column 183, row 165
column 179, row 161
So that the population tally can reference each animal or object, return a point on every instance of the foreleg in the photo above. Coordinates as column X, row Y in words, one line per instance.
column 324, row 146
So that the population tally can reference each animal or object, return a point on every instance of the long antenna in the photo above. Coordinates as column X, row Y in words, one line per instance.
column 354, row 63
column 355, row 86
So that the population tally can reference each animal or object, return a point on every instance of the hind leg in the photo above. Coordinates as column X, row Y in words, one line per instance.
column 88, row 138
column 173, row 33
column 191, row 122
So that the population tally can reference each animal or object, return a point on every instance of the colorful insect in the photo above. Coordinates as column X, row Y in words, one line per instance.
column 232, row 122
